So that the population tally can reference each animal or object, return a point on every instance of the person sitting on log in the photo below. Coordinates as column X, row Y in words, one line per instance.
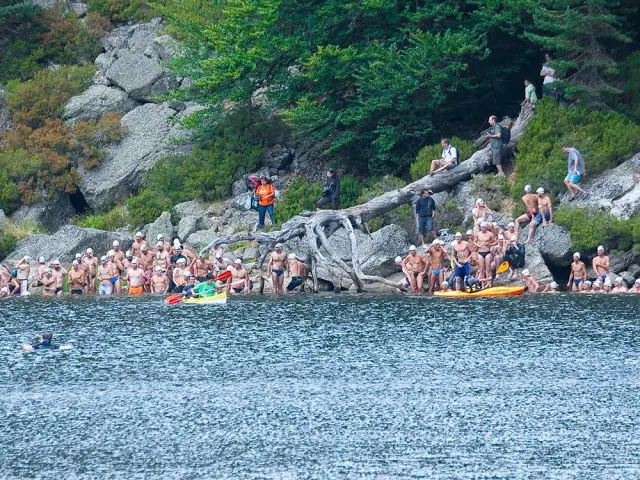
column 447, row 161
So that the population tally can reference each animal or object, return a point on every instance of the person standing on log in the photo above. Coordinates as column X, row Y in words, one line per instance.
column 266, row 194
column 495, row 134
column 331, row 192
column 425, row 211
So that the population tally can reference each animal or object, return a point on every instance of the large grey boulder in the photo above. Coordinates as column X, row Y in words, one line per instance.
column 161, row 225
column 95, row 101
column 188, row 209
column 278, row 157
column 79, row 8
column 148, row 139
column 616, row 190
column 628, row 278
column 535, row 263
column 65, row 243
column 190, row 224
column 51, row 214
column 553, row 242
column 634, row 270
column 137, row 75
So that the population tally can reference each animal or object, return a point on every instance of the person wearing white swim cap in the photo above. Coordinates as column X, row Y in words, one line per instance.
column 551, row 288
column 544, row 215
column 138, row 243
column 578, row 274
column 297, row 270
column 461, row 252
column 601, row 264
column 530, row 281
column 24, row 269
column 636, row 287
column 485, row 241
column 276, row 268
column 619, row 286
column 438, row 255
column 416, row 266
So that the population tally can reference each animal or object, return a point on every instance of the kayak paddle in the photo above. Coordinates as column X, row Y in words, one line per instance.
column 173, row 299
column 224, row 276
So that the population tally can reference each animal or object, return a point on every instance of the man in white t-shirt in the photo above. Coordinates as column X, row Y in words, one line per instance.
column 547, row 72
column 448, row 160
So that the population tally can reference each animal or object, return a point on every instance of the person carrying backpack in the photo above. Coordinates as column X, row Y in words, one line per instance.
column 495, row 134
column 448, row 160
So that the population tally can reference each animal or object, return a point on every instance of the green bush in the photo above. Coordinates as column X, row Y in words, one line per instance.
column 350, row 190
column 8, row 244
column 110, row 220
column 301, row 194
column 450, row 217
column 604, row 139
column 122, row 10
column 492, row 189
column 145, row 208
column 589, row 229
column 422, row 164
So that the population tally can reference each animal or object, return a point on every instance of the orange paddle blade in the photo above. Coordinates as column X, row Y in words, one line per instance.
column 224, row 276
column 503, row 267
column 173, row 299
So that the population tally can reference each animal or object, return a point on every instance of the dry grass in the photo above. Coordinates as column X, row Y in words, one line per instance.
column 20, row 229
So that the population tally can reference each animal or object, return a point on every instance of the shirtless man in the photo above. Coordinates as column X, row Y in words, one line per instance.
column 587, row 287
column 437, row 256
column 530, row 281
column 105, row 274
column 128, row 259
column 481, row 213
column 276, row 268
column 92, row 266
column 600, row 264
column 416, row 265
column 461, row 253
column 136, row 246
column 636, row 287
column 161, row 256
column 24, row 269
column 189, row 254
column 485, row 240
column 544, row 214
column 530, row 201
column 159, row 282
column 551, row 288
column 48, row 283
column 220, row 264
column 202, row 267
column 77, row 279
column 117, row 268
column 42, row 268
column 297, row 271
column 618, row 286
column 578, row 273
column 179, row 279
column 119, row 254
column 146, row 263
column 58, row 273
column 240, row 281
column 135, row 278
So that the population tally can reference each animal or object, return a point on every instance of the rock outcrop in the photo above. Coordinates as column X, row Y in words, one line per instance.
column 162, row 225
column 51, row 214
column 65, row 243
column 4, row 114
column 616, row 191
column 95, row 101
column 3, row 219
column 150, row 129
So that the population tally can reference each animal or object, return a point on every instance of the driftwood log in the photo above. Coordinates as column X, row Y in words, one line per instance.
column 316, row 227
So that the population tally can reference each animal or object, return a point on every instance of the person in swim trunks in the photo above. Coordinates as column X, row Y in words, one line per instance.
column 461, row 253
column 485, row 240
column 600, row 264
column 578, row 273
column 58, row 273
column 618, row 286
column 575, row 169
column 416, row 265
column 105, row 274
column 404, row 284
column 135, row 278
column 530, row 201
column 437, row 256
column 544, row 214
column 77, row 279
column 48, row 283
column 202, row 267
column 240, row 281
column 159, row 282
column 297, row 271
column 530, row 281
column 277, row 267
column 551, row 288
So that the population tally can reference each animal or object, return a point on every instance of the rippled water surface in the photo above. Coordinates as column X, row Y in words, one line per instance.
column 339, row 387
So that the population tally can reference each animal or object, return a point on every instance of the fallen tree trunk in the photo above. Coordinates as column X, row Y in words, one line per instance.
column 313, row 226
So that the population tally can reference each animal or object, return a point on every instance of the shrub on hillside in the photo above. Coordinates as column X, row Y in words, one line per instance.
column 402, row 216
column 492, row 189
column 422, row 164
column 604, row 139
column 301, row 194
column 145, row 208
column 589, row 229
column 122, row 10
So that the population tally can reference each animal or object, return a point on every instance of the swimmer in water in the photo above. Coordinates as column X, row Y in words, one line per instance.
column 44, row 341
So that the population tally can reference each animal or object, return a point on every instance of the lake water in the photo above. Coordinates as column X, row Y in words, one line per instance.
column 323, row 386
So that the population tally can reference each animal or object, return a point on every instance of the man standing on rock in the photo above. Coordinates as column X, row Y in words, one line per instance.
column 240, row 281
column 575, row 169
column 266, row 194
column 77, row 279
column 58, row 273
column 135, row 278
column 298, row 273
column 600, row 264
column 437, row 256
column 544, row 215
column 105, row 274
column 276, row 268
column 578, row 273
column 495, row 134
column 461, row 253
column 137, row 244
column 425, row 211
column 530, row 201
column 331, row 192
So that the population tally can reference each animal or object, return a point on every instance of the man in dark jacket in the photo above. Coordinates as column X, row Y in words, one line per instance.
column 331, row 192
column 425, row 211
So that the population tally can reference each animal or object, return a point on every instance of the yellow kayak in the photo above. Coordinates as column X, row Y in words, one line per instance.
column 217, row 299
column 487, row 292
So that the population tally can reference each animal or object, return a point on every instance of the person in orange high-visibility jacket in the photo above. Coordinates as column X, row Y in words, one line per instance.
column 266, row 194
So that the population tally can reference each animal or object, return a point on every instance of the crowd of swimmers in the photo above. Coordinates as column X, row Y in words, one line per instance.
column 161, row 269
